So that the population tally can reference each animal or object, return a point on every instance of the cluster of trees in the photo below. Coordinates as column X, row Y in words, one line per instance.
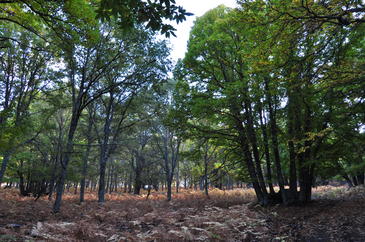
column 74, row 87
column 283, row 85
column 270, row 93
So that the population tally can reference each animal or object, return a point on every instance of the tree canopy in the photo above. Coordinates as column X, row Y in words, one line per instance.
column 270, row 94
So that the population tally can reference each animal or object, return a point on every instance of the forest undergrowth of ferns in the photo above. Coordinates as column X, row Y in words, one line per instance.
column 336, row 214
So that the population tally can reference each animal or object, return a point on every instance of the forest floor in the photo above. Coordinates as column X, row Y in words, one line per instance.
column 336, row 214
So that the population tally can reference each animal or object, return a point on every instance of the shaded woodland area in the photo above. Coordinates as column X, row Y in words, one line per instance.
column 105, row 137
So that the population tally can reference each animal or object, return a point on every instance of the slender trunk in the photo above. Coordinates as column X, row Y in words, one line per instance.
column 116, row 181
column 206, row 185
column 177, row 177
column 130, row 183
column 267, row 151
column 107, row 188
column 85, row 158
column 84, row 172
column 111, row 181
column 104, row 152
column 275, row 144
column 252, row 172
column 125, row 182
column 66, row 159
column 22, row 190
column 244, row 146
column 4, row 164
column 251, row 133
column 306, row 169
column 53, row 179
column 292, row 118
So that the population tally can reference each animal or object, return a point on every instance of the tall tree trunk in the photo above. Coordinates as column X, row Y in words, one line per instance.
column 53, row 179
column 275, row 143
column 251, row 168
column 206, row 185
column 102, row 168
column 292, row 118
column 104, row 152
column 251, row 133
column 115, row 181
column 267, row 150
column 85, row 157
column 244, row 146
column 306, row 169
column 66, row 157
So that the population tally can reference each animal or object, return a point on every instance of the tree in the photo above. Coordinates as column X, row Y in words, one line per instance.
column 206, row 152
column 23, row 75
column 343, row 13
column 265, row 86
column 167, row 138
column 43, row 16
column 154, row 13
column 137, row 71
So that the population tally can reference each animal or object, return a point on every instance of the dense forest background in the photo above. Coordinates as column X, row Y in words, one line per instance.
column 269, row 95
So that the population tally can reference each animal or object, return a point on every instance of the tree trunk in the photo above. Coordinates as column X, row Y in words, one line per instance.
column 66, row 158
column 275, row 145
column 84, row 173
column 102, row 168
column 267, row 151
column 22, row 189
column 107, row 188
column 360, row 178
column 169, row 188
column 4, row 164
column 137, row 183
column 206, row 185
column 253, row 140
column 85, row 157
column 177, row 177
column 244, row 146
column 104, row 152
column 292, row 118
column 306, row 169
column 53, row 179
